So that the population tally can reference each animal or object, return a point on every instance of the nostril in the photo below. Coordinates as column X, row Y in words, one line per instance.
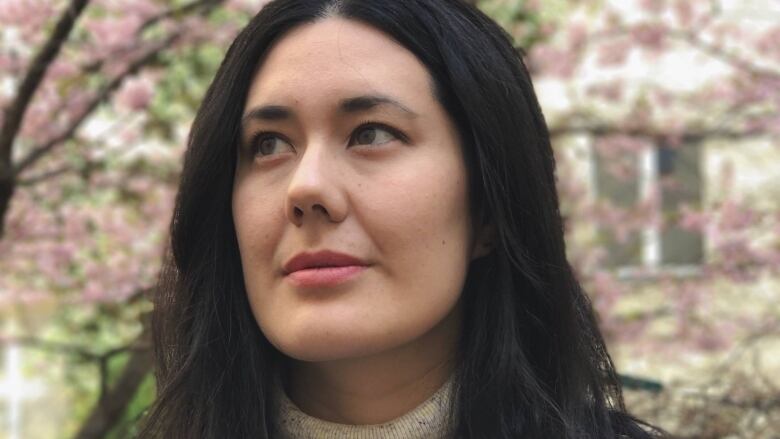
column 298, row 211
column 321, row 208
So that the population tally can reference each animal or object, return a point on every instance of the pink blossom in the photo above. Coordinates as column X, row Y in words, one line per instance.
column 693, row 220
column 141, row 185
column 75, row 225
column 683, row 12
column 709, row 340
column 548, row 60
column 199, row 30
column 620, row 221
column 768, row 44
column 140, row 8
column 737, row 260
column 136, row 93
column 688, row 297
column 10, row 63
column 735, row 216
column 665, row 98
column 611, row 91
column 61, row 69
column 577, row 36
column 93, row 292
column 620, row 144
column 614, row 53
column 248, row 6
column 111, row 33
column 606, row 291
column 619, row 154
column 623, row 170
column 37, row 125
column 652, row 6
column 29, row 297
column 669, row 183
column 29, row 13
column 763, row 124
column 650, row 35
column 547, row 29
column 612, row 21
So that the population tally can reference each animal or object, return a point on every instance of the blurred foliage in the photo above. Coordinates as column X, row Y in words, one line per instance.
column 181, row 89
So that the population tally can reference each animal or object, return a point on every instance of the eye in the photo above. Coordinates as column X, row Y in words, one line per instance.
column 265, row 144
column 374, row 134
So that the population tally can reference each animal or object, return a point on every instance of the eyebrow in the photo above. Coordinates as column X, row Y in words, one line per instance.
column 367, row 102
column 352, row 105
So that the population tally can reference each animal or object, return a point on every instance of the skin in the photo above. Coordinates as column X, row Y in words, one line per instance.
column 375, row 347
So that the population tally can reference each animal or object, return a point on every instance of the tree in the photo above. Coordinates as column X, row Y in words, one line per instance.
column 590, row 55
column 83, row 206
column 650, row 133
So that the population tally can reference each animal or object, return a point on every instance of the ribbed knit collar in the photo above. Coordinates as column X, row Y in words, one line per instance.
column 429, row 420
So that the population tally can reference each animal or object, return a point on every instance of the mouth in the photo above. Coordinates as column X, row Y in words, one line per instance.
column 324, row 276
column 323, row 268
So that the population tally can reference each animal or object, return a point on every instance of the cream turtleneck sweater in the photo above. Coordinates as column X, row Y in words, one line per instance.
column 429, row 420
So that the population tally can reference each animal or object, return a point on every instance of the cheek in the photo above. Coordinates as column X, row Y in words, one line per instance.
column 419, row 220
column 258, row 218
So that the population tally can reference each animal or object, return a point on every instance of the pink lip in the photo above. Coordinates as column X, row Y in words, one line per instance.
column 322, row 269
column 324, row 276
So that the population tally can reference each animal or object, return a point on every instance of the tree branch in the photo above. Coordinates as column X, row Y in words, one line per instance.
column 728, row 57
column 178, row 12
column 139, row 347
column 695, row 41
column 113, row 400
column 14, row 117
column 206, row 5
column 41, row 150
column 54, row 346
column 692, row 136
column 43, row 176
column 14, row 114
column 74, row 349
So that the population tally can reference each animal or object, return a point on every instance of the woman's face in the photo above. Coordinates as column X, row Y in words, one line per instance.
column 356, row 157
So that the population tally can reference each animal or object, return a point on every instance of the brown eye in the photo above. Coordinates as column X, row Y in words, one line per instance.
column 372, row 135
column 268, row 144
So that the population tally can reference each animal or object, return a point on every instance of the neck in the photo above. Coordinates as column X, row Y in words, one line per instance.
column 377, row 388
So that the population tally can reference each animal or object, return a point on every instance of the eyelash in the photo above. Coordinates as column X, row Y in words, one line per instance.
column 262, row 135
column 373, row 124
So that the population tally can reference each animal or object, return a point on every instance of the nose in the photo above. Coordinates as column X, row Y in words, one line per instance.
column 315, row 193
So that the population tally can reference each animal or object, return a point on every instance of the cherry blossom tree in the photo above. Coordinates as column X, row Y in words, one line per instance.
column 95, row 99
column 621, row 114
column 613, row 84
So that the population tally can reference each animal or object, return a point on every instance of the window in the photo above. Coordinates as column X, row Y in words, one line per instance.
column 625, row 178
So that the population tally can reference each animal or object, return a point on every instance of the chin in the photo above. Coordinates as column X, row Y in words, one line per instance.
column 332, row 351
column 331, row 344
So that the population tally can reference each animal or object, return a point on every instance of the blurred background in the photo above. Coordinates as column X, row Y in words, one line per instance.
column 664, row 115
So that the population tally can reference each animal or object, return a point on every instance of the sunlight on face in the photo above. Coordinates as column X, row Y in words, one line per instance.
column 345, row 148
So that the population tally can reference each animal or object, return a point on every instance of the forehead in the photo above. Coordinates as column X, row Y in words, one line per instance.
column 336, row 57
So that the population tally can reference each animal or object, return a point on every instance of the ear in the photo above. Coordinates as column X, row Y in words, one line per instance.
column 484, row 241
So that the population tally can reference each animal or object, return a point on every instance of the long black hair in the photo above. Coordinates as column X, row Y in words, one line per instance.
column 531, row 363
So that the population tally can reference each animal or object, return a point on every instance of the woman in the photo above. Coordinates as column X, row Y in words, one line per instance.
column 367, row 242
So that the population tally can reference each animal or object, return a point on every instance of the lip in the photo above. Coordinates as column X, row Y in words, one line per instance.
column 324, row 276
column 323, row 268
